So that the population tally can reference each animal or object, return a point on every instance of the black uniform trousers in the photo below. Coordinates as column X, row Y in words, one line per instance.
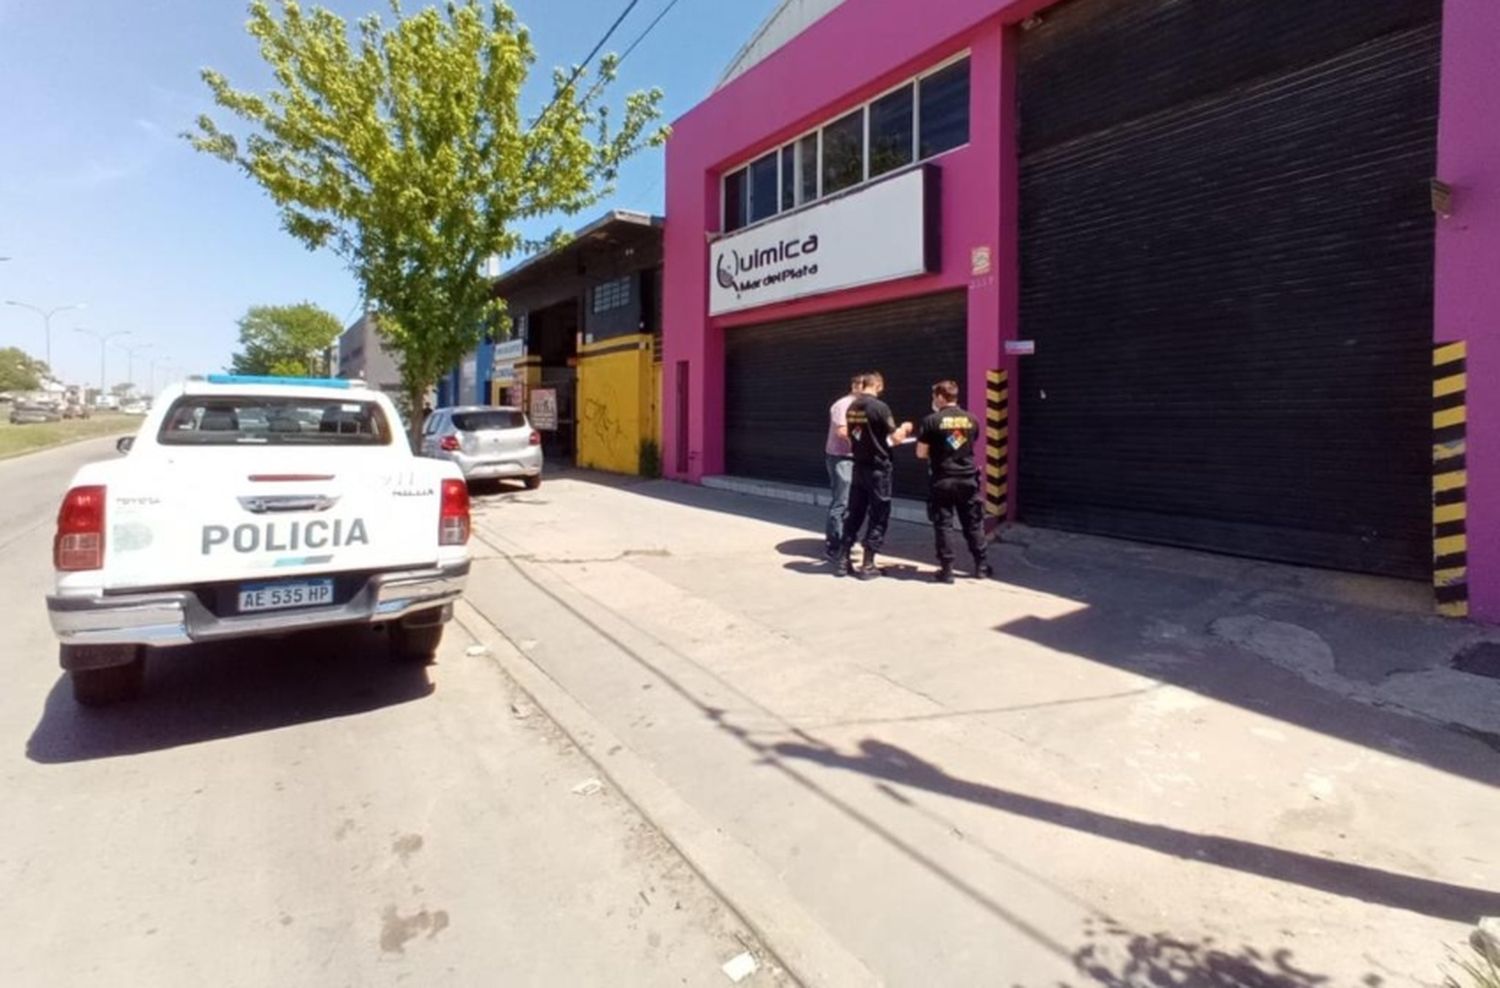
column 956, row 496
column 870, row 495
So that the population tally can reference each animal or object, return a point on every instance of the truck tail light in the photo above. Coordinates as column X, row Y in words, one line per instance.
column 79, row 543
column 448, row 444
column 453, row 523
column 536, row 438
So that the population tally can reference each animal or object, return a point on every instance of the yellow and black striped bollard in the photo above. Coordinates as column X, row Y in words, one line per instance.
column 997, row 444
column 1450, row 479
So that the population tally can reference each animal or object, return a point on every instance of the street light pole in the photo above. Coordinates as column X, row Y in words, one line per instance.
column 46, row 315
column 130, row 352
column 103, row 339
column 162, row 363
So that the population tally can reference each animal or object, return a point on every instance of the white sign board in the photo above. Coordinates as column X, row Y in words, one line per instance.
column 1020, row 348
column 503, row 359
column 544, row 409
column 876, row 234
column 508, row 352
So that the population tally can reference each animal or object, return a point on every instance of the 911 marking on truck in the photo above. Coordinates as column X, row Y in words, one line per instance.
column 273, row 536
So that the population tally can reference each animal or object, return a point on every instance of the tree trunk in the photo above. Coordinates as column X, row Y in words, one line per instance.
column 415, row 396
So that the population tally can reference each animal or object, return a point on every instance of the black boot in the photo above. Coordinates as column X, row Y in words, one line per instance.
column 944, row 574
column 842, row 563
column 868, row 570
column 982, row 568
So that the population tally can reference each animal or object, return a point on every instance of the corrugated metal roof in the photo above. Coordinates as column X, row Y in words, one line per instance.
column 787, row 21
column 620, row 217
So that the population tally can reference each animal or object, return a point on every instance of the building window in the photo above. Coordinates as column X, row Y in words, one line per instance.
column 945, row 109
column 807, row 169
column 844, row 152
column 612, row 294
column 736, row 199
column 923, row 118
column 763, row 188
column 891, row 131
column 789, row 177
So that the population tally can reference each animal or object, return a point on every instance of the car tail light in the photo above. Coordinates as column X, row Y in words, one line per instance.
column 79, row 544
column 536, row 438
column 448, row 443
column 453, row 523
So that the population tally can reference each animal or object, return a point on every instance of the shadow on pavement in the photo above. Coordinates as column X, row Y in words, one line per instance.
column 204, row 693
column 1442, row 900
column 1117, row 957
column 1151, row 960
column 507, row 489
column 808, row 558
column 1151, row 610
column 1112, row 635
column 803, row 549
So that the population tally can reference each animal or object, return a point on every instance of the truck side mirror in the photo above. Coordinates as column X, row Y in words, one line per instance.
column 124, row 443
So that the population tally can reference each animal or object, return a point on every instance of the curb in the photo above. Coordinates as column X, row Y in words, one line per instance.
column 798, row 943
column 65, row 444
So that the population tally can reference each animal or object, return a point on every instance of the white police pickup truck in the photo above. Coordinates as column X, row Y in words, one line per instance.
column 248, row 507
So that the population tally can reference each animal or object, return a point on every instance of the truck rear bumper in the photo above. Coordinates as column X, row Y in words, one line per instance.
column 177, row 617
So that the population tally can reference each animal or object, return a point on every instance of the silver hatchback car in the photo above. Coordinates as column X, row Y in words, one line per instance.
column 487, row 442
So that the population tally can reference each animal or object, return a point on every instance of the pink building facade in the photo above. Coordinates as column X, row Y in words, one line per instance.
column 998, row 222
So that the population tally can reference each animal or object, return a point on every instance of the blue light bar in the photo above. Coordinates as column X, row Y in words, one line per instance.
column 301, row 382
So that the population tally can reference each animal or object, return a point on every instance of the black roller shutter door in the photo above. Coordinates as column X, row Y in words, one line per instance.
column 1227, row 264
column 781, row 377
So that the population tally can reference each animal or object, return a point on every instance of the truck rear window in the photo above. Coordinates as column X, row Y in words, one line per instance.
column 490, row 418
column 260, row 420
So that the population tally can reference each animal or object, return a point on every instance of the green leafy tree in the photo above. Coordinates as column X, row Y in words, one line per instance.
column 404, row 149
column 290, row 340
column 122, row 390
column 19, row 371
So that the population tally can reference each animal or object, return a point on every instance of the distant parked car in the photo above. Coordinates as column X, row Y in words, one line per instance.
column 75, row 410
column 487, row 442
column 33, row 412
column 135, row 408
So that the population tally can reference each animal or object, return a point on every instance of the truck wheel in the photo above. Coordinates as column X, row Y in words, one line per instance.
column 111, row 684
column 533, row 482
column 418, row 645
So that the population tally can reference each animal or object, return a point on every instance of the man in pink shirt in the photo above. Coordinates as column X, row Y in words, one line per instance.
column 839, row 457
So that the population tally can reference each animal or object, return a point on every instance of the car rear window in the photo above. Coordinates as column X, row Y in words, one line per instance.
column 490, row 418
column 226, row 420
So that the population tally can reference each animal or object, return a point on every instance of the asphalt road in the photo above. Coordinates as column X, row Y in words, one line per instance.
column 307, row 813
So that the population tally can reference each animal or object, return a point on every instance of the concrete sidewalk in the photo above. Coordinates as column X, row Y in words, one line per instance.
column 1112, row 762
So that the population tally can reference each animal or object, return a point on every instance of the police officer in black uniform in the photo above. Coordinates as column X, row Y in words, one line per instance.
column 946, row 441
column 872, row 433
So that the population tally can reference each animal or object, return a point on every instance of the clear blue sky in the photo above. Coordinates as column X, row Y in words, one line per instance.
column 101, row 203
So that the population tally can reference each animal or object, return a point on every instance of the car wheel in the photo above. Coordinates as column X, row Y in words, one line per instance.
column 416, row 645
column 533, row 482
column 111, row 684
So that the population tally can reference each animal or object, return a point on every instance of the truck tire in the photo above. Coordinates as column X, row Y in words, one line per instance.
column 111, row 684
column 416, row 645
